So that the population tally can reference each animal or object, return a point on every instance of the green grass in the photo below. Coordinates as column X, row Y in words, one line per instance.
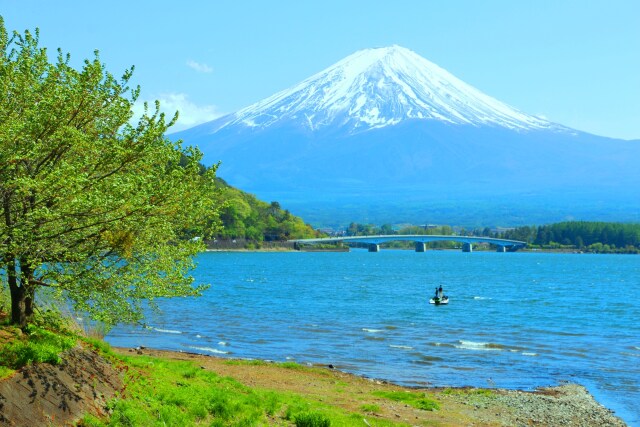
column 298, row 367
column 254, row 362
column 5, row 372
column 286, row 365
column 370, row 408
column 417, row 400
column 100, row 345
column 246, row 362
column 312, row 419
column 294, row 365
column 162, row 392
column 37, row 345
column 469, row 392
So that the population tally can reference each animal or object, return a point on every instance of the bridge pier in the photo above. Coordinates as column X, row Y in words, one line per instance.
column 421, row 247
column 374, row 247
column 502, row 249
column 467, row 247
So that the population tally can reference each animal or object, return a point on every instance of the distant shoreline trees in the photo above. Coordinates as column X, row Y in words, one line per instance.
column 588, row 236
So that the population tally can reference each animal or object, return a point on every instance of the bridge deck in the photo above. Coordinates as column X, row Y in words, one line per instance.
column 377, row 240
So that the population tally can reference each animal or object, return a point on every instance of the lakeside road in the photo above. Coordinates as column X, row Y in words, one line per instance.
column 566, row 405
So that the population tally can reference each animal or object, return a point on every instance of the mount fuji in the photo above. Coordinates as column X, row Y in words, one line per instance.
column 385, row 135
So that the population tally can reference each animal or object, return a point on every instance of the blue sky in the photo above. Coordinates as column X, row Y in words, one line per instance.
column 574, row 62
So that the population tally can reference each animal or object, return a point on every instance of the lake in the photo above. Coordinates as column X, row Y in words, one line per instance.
column 515, row 320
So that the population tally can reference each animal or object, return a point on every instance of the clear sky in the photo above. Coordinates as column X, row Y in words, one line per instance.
column 575, row 62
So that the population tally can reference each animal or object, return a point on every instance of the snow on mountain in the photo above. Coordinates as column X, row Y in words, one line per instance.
column 374, row 88
column 385, row 135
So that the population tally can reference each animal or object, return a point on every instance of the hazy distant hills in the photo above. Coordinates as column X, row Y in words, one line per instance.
column 386, row 136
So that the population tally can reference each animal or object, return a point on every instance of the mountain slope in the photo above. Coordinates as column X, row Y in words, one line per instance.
column 390, row 136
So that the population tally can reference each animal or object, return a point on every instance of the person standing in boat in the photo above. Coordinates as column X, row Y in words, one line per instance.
column 439, row 292
column 436, row 295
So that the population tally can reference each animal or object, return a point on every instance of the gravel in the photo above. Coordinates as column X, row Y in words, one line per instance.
column 565, row 405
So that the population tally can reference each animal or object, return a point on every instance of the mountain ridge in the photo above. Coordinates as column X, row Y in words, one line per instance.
column 385, row 126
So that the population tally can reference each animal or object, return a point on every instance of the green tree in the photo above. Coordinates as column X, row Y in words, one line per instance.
column 387, row 229
column 412, row 229
column 105, row 213
column 246, row 217
column 352, row 230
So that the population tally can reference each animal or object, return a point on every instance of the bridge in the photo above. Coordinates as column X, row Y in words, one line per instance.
column 374, row 242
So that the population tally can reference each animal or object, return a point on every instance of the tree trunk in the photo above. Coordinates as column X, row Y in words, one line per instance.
column 21, row 296
column 29, row 289
column 28, row 303
column 19, row 305
column 18, row 316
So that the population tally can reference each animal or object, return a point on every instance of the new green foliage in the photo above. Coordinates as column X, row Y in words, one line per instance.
column 104, row 212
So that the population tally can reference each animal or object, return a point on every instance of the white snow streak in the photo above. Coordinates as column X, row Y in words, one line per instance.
column 381, row 87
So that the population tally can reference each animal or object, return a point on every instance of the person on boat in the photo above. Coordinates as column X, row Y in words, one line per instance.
column 439, row 292
column 436, row 295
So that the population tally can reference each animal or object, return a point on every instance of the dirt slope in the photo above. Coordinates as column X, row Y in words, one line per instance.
column 44, row 394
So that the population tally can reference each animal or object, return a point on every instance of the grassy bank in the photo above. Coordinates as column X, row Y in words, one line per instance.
column 162, row 388
column 162, row 391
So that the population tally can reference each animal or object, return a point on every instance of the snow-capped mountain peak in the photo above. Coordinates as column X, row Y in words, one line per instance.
column 379, row 87
column 386, row 136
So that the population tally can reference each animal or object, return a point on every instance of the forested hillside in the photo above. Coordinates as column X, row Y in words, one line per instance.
column 243, row 216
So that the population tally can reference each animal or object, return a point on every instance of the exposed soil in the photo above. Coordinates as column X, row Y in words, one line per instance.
column 43, row 394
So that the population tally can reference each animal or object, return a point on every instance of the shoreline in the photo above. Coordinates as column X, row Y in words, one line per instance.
column 567, row 404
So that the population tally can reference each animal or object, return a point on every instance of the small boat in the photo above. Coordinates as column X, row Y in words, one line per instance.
column 439, row 298
column 439, row 301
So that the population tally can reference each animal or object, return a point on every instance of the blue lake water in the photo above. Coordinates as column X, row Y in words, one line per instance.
column 515, row 320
